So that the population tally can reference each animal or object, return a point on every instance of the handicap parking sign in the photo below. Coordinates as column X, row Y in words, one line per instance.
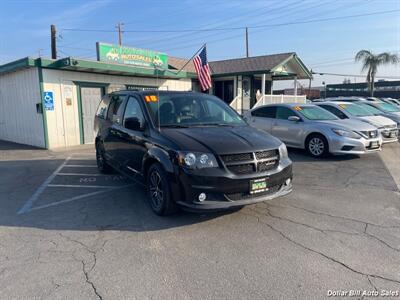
column 48, row 100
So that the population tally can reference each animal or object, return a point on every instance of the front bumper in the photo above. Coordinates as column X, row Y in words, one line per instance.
column 224, row 190
column 344, row 145
column 389, row 135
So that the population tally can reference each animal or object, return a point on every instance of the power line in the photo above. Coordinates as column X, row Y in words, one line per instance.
column 230, row 19
column 240, row 27
column 352, row 75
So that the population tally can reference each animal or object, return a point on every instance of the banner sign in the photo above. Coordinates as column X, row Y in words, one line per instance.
column 131, row 56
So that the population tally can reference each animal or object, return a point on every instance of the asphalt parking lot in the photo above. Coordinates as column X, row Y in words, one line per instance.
column 68, row 232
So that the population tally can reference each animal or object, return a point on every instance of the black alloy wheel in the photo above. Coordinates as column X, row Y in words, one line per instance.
column 159, row 190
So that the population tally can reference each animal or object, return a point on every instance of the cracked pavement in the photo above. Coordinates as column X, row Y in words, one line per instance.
column 338, row 230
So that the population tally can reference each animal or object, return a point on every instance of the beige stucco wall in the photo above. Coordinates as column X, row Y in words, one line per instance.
column 19, row 121
column 63, row 122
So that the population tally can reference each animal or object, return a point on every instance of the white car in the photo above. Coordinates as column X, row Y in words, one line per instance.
column 310, row 127
column 348, row 110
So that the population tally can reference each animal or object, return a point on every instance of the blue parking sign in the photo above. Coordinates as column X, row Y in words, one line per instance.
column 48, row 100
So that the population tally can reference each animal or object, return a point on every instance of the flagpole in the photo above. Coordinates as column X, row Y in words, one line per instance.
column 190, row 59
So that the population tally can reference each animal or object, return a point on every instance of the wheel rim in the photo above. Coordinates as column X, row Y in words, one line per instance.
column 316, row 146
column 156, row 190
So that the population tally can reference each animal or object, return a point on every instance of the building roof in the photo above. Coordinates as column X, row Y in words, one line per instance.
column 177, row 63
column 249, row 64
column 280, row 66
column 80, row 65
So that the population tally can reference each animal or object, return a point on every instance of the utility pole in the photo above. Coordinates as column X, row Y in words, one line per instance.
column 53, row 42
column 120, row 31
column 247, row 42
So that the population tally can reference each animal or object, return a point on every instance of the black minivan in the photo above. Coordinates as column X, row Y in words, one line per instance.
column 191, row 150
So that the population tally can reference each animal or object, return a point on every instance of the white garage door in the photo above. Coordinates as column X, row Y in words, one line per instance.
column 90, row 98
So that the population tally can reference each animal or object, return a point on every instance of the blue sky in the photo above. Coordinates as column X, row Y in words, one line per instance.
column 323, row 46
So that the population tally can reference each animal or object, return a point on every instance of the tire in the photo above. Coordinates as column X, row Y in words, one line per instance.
column 159, row 190
column 102, row 164
column 317, row 145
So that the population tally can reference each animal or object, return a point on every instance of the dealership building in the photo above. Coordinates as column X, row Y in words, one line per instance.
column 51, row 103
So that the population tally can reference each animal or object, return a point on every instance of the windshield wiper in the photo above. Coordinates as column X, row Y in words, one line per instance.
column 174, row 126
column 214, row 124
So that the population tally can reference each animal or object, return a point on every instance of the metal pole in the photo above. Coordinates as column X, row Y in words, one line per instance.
column 263, row 84
column 190, row 59
column 119, row 27
column 53, row 32
column 247, row 42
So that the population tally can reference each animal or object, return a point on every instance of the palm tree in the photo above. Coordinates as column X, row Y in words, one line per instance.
column 371, row 62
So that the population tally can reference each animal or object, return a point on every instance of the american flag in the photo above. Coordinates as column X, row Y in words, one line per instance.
column 202, row 69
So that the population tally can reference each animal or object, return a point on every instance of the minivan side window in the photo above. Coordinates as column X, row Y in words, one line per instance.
column 115, row 109
column 335, row 111
column 133, row 110
column 265, row 112
column 284, row 113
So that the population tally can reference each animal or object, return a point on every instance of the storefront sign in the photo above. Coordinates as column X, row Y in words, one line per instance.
column 131, row 56
column 48, row 100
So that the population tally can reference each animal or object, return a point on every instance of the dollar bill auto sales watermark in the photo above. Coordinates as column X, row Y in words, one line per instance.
column 363, row 293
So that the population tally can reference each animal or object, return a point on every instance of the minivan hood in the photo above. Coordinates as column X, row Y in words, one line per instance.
column 378, row 121
column 349, row 124
column 221, row 140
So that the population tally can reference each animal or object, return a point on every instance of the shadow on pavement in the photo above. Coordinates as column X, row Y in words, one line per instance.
column 124, row 208
column 4, row 146
column 300, row 155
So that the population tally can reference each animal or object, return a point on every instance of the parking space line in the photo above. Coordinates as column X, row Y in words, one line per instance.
column 28, row 205
column 82, row 186
column 80, row 174
column 81, row 166
column 78, row 197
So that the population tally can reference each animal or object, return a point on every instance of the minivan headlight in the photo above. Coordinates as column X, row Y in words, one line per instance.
column 347, row 133
column 197, row 160
column 283, row 154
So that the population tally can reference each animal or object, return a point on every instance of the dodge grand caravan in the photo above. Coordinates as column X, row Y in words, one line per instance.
column 191, row 150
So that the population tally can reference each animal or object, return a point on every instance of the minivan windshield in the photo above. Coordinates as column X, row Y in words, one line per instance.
column 356, row 110
column 315, row 113
column 190, row 109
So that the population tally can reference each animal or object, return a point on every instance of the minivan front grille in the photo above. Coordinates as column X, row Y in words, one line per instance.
column 266, row 154
column 241, row 169
column 248, row 163
column 237, row 157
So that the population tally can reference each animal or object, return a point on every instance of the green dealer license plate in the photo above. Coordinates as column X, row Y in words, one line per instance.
column 258, row 185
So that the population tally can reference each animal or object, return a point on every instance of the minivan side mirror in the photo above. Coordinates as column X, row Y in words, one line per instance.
column 133, row 123
column 294, row 119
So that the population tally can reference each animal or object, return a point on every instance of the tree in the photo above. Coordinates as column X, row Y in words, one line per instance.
column 371, row 62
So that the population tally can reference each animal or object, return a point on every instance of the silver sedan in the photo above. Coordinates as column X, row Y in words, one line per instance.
column 312, row 128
